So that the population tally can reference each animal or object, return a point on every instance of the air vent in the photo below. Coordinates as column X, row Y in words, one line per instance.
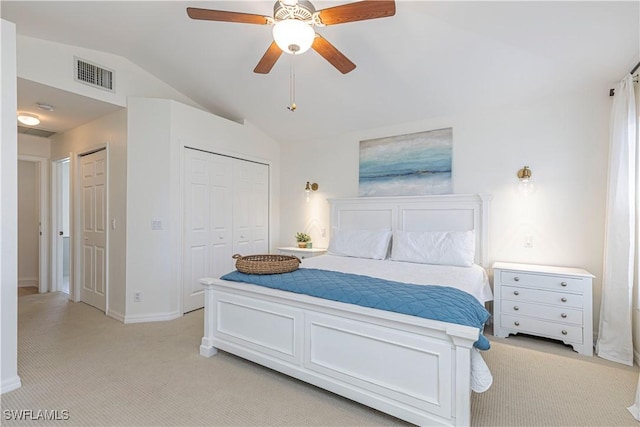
column 93, row 74
column 35, row 132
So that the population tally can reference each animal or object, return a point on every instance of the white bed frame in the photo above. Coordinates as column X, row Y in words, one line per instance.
column 412, row 368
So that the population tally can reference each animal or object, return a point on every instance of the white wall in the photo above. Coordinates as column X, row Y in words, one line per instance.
column 563, row 139
column 110, row 130
column 28, row 227
column 158, row 130
column 52, row 64
column 35, row 146
column 9, row 379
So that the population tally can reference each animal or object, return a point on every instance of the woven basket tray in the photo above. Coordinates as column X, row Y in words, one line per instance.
column 266, row 264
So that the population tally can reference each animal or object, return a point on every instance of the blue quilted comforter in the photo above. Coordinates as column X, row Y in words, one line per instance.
column 431, row 302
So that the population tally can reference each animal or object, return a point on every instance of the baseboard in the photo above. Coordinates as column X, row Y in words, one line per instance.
column 10, row 384
column 156, row 317
column 115, row 315
column 25, row 283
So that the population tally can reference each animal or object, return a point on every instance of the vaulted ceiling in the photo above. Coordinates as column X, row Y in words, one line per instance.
column 430, row 59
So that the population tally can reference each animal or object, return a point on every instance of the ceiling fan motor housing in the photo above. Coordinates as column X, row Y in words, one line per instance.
column 301, row 10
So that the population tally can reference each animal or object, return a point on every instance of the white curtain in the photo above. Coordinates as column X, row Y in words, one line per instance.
column 615, row 339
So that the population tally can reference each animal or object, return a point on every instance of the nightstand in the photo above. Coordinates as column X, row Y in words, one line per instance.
column 301, row 252
column 551, row 302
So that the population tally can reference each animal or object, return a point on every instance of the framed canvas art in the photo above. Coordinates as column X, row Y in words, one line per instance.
column 415, row 164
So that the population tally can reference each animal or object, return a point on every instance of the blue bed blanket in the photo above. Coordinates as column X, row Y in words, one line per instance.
column 442, row 303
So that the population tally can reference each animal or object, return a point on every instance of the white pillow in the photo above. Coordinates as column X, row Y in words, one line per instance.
column 435, row 247
column 360, row 243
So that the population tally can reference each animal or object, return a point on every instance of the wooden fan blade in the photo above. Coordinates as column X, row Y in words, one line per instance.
column 221, row 15
column 333, row 55
column 268, row 59
column 358, row 11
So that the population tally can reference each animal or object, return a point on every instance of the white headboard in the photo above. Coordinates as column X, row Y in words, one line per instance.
column 451, row 212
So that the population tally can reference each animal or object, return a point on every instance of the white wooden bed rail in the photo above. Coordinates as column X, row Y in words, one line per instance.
column 412, row 368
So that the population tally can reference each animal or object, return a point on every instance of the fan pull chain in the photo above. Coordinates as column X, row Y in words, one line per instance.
column 292, row 81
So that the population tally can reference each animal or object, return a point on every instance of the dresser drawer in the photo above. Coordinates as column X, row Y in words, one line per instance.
column 543, row 312
column 542, row 328
column 558, row 283
column 561, row 299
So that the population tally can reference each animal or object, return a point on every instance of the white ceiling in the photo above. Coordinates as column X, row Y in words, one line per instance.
column 430, row 59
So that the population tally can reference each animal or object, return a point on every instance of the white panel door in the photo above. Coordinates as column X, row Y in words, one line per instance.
column 260, row 208
column 221, row 219
column 242, row 192
column 250, row 207
column 207, row 223
column 93, row 175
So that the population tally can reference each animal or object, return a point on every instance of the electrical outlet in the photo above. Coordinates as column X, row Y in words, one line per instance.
column 528, row 241
column 137, row 297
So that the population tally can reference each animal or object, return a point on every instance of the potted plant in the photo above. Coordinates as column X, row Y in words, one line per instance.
column 302, row 239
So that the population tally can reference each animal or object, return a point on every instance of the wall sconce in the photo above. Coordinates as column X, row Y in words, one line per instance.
column 309, row 188
column 526, row 184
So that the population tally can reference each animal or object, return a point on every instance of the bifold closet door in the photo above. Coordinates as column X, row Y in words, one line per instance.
column 226, row 211
column 207, row 222
column 250, row 208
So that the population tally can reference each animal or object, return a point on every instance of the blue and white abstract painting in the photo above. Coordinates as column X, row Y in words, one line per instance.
column 416, row 164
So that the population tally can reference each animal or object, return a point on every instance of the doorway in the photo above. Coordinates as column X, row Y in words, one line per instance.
column 61, row 230
column 33, row 218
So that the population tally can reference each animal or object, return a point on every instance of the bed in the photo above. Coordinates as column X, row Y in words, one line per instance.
column 414, row 368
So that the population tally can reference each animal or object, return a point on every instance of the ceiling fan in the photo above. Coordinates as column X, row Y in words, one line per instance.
column 293, row 22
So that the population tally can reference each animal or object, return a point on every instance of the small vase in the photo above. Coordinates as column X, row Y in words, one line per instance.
column 302, row 245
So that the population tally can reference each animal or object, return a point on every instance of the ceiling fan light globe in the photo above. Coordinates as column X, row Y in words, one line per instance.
column 291, row 33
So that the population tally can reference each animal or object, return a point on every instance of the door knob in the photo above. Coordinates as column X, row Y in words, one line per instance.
column 60, row 233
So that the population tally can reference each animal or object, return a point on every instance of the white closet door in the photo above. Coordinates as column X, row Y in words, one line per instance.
column 221, row 236
column 93, row 169
column 242, row 208
column 260, row 208
column 207, row 222
column 250, row 208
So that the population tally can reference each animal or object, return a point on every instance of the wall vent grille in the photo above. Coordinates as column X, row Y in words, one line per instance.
column 35, row 132
column 93, row 74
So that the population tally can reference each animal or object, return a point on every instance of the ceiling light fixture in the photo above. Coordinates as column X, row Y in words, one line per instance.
column 28, row 119
column 293, row 36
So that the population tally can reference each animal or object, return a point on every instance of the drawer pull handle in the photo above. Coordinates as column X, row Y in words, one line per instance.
column 516, row 323
column 516, row 292
column 516, row 308
column 564, row 332
column 563, row 299
column 516, row 279
column 563, row 284
column 563, row 315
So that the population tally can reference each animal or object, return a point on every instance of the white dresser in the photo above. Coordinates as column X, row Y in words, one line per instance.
column 552, row 302
column 301, row 252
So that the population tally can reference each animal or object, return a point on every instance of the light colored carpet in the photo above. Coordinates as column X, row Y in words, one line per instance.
column 27, row 290
column 73, row 358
